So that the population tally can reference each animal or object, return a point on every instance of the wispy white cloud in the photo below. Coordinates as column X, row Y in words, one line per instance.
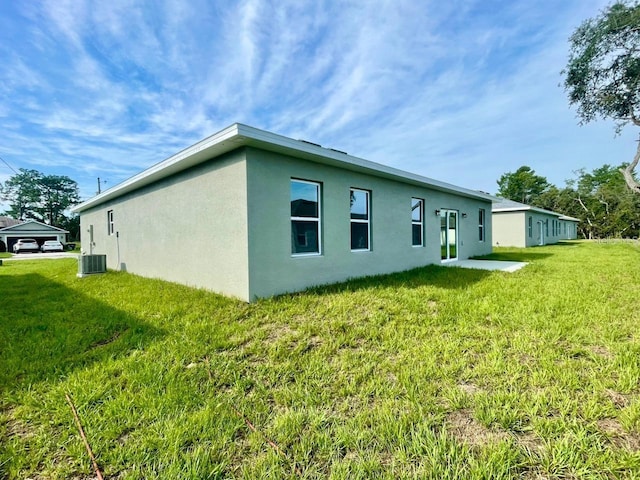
column 462, row 91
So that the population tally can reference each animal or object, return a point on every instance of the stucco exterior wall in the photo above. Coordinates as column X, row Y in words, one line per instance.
column 190, row 228
column 273, row 269
column 509, row 229
column 544, row 221
column 569, row 230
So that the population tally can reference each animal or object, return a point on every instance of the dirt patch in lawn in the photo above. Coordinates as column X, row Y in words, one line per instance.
column 618, row 399
column 617, row 435
column 469, row 388
column 16, row 428
column 466, row 429
column 601, row 351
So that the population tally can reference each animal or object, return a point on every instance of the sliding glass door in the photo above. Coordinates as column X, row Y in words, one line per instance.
column 448, row 235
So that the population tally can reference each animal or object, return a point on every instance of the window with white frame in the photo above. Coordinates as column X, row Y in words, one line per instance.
column 530, row 227
column 417, row 222
column 360, row 201
column 481, row 220
column 111, row 228
column 305, row 217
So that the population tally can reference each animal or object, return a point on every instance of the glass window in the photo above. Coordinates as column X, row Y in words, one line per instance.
column 305, row 217
column 360, row 219
column 530, row 227
column 417, row 224
column 481, row 224
column 110, row 223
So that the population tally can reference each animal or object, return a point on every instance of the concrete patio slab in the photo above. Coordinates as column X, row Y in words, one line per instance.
column 503, row 266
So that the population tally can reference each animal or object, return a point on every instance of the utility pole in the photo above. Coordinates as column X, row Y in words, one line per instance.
column 100, row 182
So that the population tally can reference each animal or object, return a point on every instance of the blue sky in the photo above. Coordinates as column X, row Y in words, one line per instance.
column 459, row 91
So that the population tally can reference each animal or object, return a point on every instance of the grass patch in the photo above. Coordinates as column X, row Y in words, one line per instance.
column 433, row 373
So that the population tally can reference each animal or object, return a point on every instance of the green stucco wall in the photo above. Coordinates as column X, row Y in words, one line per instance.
column 272, row 268
column 511, row 229
column 190, row 228
column 225, row 225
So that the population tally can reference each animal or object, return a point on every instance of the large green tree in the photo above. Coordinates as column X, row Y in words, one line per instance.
column 603, row 72
column 608, row 207
column 523, row 185
column 600, row 199
column 32, row 194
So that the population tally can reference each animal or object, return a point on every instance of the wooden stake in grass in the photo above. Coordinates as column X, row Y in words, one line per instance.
column 84, row 437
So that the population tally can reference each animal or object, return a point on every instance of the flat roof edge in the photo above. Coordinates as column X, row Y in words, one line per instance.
column 240, row 135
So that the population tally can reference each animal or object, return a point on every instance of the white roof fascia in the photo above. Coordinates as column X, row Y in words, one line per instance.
column 239, row 135
column 526, row 208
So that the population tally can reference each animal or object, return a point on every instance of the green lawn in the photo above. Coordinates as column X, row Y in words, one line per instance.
column 434, row 373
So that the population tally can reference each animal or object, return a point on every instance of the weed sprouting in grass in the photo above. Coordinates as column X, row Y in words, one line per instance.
column 432, row 373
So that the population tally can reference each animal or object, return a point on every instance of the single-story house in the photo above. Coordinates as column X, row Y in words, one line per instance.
column 250, row 214
column 517, row 224
column 39, row 231
column 568, row 227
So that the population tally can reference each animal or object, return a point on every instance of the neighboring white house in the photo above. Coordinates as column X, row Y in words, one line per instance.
column 250, row 214
column 30, row 229
column 519, row 225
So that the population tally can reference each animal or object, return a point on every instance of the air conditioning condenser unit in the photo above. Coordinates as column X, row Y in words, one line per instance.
column 91, row 264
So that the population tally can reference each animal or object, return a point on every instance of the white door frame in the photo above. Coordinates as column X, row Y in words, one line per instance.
column 444, row 235
column 540, row 232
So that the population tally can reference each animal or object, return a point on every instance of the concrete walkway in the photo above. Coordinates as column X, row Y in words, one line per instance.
column 40, row 256
column 487, row 265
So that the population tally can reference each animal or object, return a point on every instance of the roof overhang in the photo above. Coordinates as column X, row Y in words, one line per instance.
column 239, row 135
column 526, row 209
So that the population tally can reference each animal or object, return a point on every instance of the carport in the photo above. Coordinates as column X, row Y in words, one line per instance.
column 39, row 231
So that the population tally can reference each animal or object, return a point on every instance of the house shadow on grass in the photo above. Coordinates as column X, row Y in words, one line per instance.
column 529, row 254
column 521, row 255
column 429, row 275
column 48, row 330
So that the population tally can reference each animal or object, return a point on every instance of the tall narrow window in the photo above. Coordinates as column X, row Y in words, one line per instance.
column 110, row 224
column 305, row 217
column 481, row 224
column 417, row 224
column 530, row 227
column 360, row 219
column 546, row 227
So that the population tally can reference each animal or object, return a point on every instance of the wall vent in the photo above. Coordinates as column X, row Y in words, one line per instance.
column 90, row 264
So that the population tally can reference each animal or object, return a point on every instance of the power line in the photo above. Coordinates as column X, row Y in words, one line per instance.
column 5, row 162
